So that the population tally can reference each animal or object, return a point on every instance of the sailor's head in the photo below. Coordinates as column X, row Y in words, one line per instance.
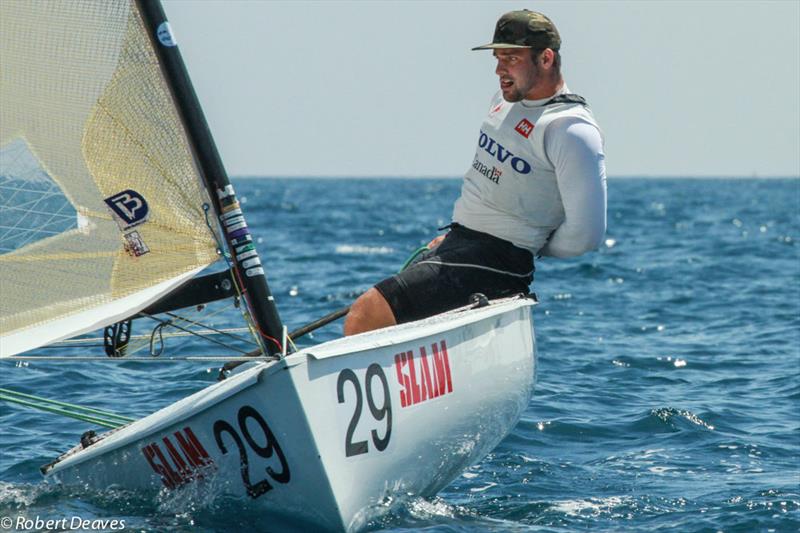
column 526, row 45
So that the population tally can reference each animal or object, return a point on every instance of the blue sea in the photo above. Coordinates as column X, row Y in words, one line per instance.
column 668, row 386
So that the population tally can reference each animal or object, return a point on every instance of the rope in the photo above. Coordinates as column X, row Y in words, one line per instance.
column 99, row 417
column 414, row 256
column 83, row 342
column 209, row 328
column 150, row 339
column 127, row 359
column 164, row 323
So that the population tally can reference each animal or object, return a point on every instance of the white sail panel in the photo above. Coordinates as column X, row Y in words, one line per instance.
column 91, row 318
column 100, row 196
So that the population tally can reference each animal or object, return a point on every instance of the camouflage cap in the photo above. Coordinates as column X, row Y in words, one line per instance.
column 524, row 29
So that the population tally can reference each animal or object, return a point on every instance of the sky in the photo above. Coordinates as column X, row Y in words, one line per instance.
column 379, row 88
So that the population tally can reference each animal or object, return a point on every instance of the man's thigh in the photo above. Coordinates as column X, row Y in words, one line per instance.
column 445, row 279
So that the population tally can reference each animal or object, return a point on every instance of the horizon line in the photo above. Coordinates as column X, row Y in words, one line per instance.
column 437, row 177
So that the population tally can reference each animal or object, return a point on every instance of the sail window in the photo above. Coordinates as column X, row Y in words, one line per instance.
column 32, row 205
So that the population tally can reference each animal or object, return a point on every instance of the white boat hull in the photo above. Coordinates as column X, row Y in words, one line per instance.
column 328, row 436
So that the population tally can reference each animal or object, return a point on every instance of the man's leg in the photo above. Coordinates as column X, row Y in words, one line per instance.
column 370, row 311
column 466, row 262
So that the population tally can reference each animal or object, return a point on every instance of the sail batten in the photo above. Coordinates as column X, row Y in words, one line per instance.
column 101, row 200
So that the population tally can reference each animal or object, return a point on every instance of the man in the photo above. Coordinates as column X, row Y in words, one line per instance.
column 537, row 186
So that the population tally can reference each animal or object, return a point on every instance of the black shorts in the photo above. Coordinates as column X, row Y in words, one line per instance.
column 466, row 262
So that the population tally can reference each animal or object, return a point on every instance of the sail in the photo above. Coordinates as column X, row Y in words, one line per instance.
column 102, row 207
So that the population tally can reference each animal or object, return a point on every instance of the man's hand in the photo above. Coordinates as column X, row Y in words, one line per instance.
column 436, row 241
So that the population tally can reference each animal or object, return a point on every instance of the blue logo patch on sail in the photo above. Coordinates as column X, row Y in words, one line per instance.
column 165, row 35
column 129, row 208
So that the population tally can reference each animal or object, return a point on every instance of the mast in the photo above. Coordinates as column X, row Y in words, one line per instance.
column 247, row 263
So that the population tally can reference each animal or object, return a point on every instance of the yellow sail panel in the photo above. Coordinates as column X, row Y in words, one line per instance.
column 100, row 196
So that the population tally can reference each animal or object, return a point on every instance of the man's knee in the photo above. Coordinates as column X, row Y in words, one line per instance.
column 370, row 311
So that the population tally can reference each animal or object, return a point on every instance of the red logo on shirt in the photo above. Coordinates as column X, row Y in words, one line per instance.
column 524, row 128
column 497, row 108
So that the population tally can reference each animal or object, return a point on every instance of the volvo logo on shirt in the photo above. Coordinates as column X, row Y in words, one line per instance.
column 129, row 208
column 502, row 154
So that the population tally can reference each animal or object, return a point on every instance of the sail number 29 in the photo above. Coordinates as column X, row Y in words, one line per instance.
column 382, row 412
column 266, row 451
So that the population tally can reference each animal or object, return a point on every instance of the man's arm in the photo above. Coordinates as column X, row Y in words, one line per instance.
column 576, row 150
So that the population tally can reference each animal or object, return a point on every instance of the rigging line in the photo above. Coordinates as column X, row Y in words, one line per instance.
column 327, row 319
column 226, row 257
column 74, row 344
column 164, row 323
column 89, row 342
column 210, row 330
column 258, row 328
column 237, row 283
column 159, row 330
column 139, row 342
column 228, row 332
column 255, row 331
column 104, row 358
column 218, row 331
column 221, row 250
column 133, row 348
column 82, row 342
column 74, row 407
column 148, row 341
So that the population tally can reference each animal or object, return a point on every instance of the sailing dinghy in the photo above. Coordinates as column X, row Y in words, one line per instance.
column 114, row 199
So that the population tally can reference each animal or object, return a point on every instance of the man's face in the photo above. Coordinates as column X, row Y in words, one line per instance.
column 518, row 74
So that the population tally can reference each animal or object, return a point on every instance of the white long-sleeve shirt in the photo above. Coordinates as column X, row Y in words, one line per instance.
column 576, row 150
column 538, row 178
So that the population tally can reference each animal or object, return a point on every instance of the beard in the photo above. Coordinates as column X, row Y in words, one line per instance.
column 517, row 93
